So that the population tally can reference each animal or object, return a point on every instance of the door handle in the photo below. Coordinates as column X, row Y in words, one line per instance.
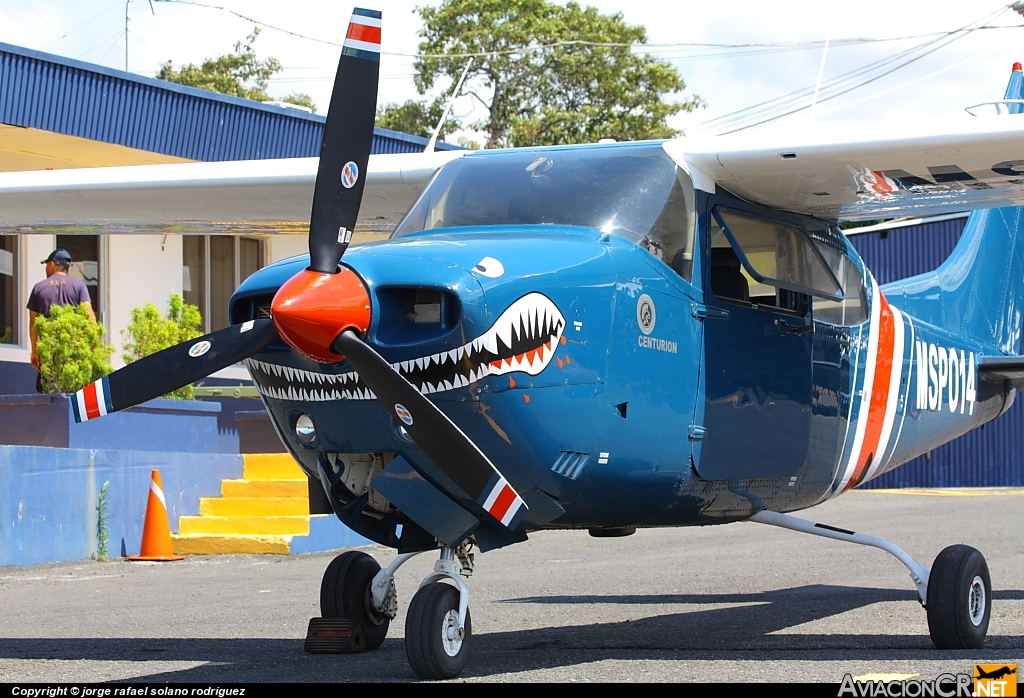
column 781, row 327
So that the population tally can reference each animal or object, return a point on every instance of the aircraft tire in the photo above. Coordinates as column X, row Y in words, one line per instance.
column 959, row 599
column 432, row 653
column 345, row 593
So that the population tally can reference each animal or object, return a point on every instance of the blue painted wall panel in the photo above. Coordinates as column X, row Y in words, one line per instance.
column 53, row 93
column 48, row 513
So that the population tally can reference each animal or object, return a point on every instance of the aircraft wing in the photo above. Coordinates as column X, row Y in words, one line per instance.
column 975, row 163
column 271, row 196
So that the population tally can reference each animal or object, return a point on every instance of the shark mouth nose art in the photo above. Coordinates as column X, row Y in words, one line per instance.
column 523, row 339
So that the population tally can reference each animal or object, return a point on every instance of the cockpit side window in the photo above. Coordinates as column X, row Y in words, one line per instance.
column 671, row 237
column 778, row 260
column 853, row 310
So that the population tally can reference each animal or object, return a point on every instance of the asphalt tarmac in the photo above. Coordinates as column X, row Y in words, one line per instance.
column 741, row 602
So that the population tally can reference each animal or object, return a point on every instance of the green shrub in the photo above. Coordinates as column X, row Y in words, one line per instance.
column 149, row 333
column 101, row 523
column 71, row 349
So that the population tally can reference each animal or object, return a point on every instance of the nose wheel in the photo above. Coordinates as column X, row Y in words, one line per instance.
column 436, row 643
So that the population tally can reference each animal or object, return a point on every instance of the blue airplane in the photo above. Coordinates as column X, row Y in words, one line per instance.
column 599, row 337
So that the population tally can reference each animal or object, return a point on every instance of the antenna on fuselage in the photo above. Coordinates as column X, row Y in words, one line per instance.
column 447, row 108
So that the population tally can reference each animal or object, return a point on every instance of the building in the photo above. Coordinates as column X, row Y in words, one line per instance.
column 60, row 113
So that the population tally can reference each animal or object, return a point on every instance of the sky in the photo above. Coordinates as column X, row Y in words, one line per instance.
column 943, row 73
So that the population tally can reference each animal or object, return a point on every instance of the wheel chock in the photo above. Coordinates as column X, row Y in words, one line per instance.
column 334, row 636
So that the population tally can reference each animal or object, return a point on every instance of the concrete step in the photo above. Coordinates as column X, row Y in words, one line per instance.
column 244, row 525
column 253, row 506
column 230, row 545
column 272, row 489
column 271, row 466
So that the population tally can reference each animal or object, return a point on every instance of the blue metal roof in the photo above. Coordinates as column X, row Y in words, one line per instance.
column 53, row 93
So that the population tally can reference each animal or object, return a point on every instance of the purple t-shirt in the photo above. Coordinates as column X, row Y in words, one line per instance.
column 59, row 289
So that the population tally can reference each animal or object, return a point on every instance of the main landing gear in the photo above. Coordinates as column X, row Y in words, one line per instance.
column 437, row 625
column 957, row 593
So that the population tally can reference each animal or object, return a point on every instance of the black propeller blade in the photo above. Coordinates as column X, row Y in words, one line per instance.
column 348, row 136
column 172, row 368
column 442, row 441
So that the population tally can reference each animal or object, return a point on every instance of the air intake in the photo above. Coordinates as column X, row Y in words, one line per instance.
column 570, row 464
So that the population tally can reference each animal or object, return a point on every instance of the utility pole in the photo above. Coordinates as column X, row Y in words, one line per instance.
column 126, row 3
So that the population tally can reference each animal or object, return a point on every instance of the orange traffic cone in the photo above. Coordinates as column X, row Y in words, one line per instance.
column 156, row 532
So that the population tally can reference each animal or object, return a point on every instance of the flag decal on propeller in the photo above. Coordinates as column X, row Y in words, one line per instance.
column 502, row 502
column 363, row 38
column 92, row 401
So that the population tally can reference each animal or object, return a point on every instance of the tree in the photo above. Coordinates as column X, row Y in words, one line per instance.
column 240, row 74
column 546, row 78
column 416, row 117
column 149, row 333
column 71, row 349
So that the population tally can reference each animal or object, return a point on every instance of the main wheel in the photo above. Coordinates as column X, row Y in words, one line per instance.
column 959, row 599
column 435, row 648
column 345, row 593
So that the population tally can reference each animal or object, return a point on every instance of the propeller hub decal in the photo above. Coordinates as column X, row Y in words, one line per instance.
column 523, row 339
column 403, row 414
column 349, row 174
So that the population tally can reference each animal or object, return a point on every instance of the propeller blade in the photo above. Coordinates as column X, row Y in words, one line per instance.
column 442, row 441
column 345, row 150
column 169, row 369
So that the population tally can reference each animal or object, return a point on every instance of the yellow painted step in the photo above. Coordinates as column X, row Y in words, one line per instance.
column 244, row 525
column 253, row 506
column 273, row 489
column 228, row 545
column 271, row 466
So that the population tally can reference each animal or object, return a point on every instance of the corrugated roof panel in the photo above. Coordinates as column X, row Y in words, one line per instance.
column 62, row 95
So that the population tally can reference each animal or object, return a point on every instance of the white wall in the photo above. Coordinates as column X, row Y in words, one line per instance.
column 284, row 246
column 138, row 271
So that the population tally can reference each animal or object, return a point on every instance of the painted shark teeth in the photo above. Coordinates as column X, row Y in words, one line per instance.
column 524, row 339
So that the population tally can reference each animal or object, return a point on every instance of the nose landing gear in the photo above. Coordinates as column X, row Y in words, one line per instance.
column 361, row 596
column 438, row 625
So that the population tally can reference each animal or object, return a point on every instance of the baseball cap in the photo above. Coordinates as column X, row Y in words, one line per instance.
column 59, row 256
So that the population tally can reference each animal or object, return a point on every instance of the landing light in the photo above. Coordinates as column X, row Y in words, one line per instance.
column 304, row 429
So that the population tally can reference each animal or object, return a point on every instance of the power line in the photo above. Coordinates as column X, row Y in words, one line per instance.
column 742, row 119
column 789, row 45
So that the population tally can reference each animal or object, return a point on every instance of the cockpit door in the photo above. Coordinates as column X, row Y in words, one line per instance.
column 758, row 346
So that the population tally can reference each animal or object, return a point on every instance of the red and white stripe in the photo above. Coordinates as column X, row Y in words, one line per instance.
column 92, row 403
column 503, row 503
column 363, row 34
column 883, row 373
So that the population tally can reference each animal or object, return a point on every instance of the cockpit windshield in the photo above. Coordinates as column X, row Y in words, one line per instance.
column 634, row 191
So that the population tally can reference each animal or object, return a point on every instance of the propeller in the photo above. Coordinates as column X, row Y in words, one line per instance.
column 169, row 369
column 431, row 430
column 345, row 150
column 324, row 311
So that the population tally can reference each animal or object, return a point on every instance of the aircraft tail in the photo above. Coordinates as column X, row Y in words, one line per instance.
column 978, row 292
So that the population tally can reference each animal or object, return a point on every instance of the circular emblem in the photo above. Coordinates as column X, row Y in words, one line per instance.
column 646, row 315
column 198, row 349
column 349, row 174
column 403, row 414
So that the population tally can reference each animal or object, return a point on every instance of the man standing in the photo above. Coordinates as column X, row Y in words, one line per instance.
column 56, row 289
